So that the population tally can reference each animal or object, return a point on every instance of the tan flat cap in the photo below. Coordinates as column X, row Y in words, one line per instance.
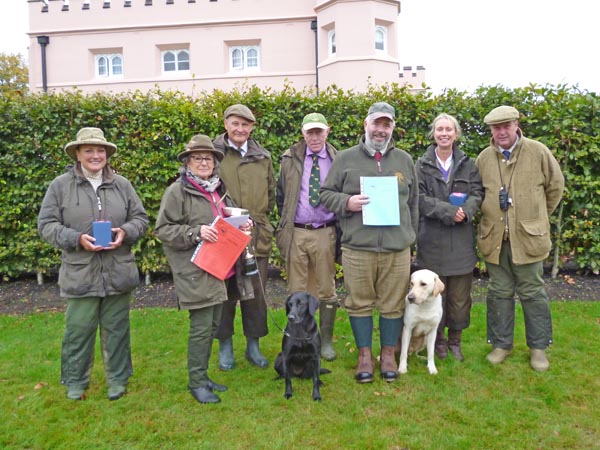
column 501, row 114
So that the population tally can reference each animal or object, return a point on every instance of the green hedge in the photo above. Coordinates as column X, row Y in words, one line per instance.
column 151, row 128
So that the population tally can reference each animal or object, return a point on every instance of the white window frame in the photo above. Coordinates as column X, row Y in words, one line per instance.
column 331, row 45
column 383, row 32
column 113, row 70
column 247, row 57
column 181, row 58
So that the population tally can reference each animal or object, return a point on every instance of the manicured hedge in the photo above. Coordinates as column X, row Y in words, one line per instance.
column 151, row 128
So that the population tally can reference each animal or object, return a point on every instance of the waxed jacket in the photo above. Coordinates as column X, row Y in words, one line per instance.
column 250, row 182
column 535, row 184
column 343, row 181
column 443, row 245
column 183, row 210
column 68, row 210
column 288, row 192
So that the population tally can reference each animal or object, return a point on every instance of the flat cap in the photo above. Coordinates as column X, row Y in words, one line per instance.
column 381, row 109
column 314, row 120
column 241, row 111
column 501, row 114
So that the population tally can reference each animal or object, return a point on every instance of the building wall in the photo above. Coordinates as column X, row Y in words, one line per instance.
column 207, row 29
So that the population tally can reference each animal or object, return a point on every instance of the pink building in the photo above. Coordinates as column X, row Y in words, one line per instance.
column 201, row 45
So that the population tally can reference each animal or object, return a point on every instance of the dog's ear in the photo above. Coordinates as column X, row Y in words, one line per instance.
column 313, row 305
column 287, row 305
column 438, row 286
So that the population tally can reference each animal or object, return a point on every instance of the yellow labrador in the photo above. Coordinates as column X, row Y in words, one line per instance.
column 421, row 317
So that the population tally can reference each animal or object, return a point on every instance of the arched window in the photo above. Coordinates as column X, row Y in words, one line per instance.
column 380, row 38
column 176, row 60
column 109, row 65
column 244, row 57
column 331, row 42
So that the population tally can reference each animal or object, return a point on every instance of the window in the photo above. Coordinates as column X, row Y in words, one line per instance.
column 380, row 38
column 244, row 57
column 109, row 65
column 331, row 42
column 176, row 60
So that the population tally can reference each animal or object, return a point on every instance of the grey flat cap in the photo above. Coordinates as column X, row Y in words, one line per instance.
column 241, row 111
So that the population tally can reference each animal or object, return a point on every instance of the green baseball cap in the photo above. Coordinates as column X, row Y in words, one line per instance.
column 314, row 120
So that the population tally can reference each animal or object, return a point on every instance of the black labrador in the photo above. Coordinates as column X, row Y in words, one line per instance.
column 300, row 354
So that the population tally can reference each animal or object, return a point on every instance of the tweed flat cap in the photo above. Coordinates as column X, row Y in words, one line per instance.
column 241, row 111
column 501, row 114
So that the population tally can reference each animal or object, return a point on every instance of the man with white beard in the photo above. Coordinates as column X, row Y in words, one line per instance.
column 375, row 259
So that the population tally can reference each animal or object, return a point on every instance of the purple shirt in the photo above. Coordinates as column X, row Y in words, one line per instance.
column 305, row 213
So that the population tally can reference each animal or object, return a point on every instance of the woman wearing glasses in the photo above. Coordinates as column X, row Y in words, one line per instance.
column 187, row 210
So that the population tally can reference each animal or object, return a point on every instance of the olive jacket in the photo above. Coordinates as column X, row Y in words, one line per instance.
column 288, row 192
column 251, row 184
column 68, row 210
column 183, row 210
column 535, row 184
column 343, row 181
column 443, row 245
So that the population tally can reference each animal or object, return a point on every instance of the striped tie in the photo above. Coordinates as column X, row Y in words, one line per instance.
column 314, row 182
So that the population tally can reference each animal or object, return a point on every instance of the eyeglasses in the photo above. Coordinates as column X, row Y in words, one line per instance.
column 201, row 159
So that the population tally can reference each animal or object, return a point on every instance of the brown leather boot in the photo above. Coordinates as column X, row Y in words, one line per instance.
column 388, row 365
column 364, row 370
column 454, row 338
column 441, row 344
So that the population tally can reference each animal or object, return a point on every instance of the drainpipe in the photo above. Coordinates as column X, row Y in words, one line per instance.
column 43, row 41
column 313, row 26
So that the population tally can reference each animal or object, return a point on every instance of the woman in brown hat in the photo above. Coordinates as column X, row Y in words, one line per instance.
column 97, row 280
column 187, row 210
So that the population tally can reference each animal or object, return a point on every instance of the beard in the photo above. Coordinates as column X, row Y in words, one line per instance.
column 375, row 146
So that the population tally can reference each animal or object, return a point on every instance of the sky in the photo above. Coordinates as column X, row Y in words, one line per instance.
column 462, row 44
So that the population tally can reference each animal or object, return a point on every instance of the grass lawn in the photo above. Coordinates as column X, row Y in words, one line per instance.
column 469, row 405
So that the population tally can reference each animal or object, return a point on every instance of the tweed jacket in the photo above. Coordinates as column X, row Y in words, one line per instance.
column 535, row 184
column 288, row 192
column 250, row 181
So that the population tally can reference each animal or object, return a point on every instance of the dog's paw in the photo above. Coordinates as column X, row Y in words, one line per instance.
column 317, row 398
column 288, row 395
column 403, row 368
column 432, row 369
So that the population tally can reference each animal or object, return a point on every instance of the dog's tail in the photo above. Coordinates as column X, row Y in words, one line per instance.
column 324, row 371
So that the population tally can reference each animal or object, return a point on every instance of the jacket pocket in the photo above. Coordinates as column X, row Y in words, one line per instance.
column 124, row 275
column 534, row 237
column 485, row 243
column 78, row 274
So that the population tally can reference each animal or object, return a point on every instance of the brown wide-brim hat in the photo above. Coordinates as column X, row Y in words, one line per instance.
column 90, row 136
column 200, row 143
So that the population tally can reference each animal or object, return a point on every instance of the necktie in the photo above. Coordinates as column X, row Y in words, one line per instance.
column 506, row 154
column 377, row 157
column 314, row 182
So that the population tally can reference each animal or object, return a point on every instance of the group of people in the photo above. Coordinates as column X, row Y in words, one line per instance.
column 515, row 182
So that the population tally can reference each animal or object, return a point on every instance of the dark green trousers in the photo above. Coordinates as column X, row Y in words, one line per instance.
column 83, row 317
column 526, row 281
column 203, row 325
column 254, row 311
